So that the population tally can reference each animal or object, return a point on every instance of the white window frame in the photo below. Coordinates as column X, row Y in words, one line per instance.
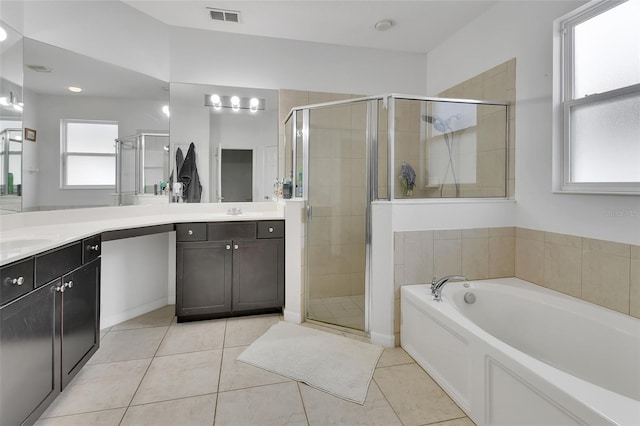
column 563, row 103
column 64, row 154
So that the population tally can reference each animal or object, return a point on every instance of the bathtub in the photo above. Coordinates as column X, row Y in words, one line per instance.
column 525, row 355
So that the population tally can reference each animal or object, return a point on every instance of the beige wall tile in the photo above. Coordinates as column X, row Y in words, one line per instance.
column 634, row 288
column 606, row 277
column 418, row 257
column 530, row 258
column 563, row 267
column 502, row 255
column 563, row 239
column 397, row 316
column 291, row 98
column 447, row 258
column 475, row 233
column 610, row 247
column 475, row 258
column 508, row 231
column 448, row 234
column 357, row 284
column 635, row 251
column 398, row 248
column 529, row 234
column 398, row 279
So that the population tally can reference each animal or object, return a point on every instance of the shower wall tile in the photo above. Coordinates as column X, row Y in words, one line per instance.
column 447, row 257
column 501, row 254
column 448, row 234
column 563, row 263
column 475, row 258
column 398, row 248
column 634, row 285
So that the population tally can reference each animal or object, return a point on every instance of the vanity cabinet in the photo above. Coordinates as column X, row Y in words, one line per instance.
column 229, row 268
column 49, row 332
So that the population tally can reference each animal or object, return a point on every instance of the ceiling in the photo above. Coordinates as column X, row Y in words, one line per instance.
column 418, row 26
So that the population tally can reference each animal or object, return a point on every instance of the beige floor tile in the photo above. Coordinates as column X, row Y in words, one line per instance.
column 193, row 336
column 99, row 387
column 325, row 409
column 194, row 411
column 97, row 418
column 157, row 318
column 394, row 356
column 126, row 345
column 278, row 404
column 243, row 331
column 179, row 376
column 239, row 375
column 414, row 396
column 464, row 421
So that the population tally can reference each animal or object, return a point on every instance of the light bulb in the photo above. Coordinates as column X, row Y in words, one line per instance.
column 235, row 103
column 253, row 104
column 3, row 34
column 166, row 111
column 215, row 99
column 74, row 89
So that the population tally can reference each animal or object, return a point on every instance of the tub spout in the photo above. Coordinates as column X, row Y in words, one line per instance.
column 438, row 284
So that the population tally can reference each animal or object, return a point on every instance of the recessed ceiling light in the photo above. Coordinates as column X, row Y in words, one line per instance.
column 74, row 89
column 383, row 25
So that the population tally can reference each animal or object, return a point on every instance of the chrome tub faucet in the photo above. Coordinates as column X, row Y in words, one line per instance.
column 438, row 284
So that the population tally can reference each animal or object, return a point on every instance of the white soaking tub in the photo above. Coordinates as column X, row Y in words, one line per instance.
column 525, row 355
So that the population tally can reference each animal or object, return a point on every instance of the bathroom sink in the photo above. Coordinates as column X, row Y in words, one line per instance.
column 22, row 242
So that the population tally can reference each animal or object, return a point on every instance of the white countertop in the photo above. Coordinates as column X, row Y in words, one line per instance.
column 26, row 234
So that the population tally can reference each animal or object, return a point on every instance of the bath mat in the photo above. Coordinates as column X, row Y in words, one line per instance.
column 334, row 364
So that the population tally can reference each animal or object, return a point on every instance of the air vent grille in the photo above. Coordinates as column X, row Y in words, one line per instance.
column 224, row 15
column 39, row 68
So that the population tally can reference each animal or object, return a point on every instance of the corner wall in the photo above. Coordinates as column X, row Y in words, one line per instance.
column 524, row 30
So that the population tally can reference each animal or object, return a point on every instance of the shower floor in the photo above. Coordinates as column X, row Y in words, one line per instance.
column 347, row 311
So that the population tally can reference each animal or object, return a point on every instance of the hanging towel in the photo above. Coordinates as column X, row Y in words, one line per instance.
column 409, row 174
column 188, row 176
column 179, row 161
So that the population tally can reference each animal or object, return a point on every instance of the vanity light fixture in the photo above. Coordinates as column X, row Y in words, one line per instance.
column 3, row 34
column 165, row 110
column 74, row 89
column 235, row 103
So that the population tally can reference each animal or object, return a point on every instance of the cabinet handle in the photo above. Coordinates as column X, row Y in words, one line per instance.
column 68, row 285
column 270, row 229
column 17, row 281
column 228, row 246
column 60, row 288
column 190, row 232
column 93, row 248
column 235, row 247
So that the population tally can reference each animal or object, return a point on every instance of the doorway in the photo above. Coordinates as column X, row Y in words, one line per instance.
column 236, row 175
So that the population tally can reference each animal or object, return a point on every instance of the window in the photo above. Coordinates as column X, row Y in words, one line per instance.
column 88, row 153
column 599, row 94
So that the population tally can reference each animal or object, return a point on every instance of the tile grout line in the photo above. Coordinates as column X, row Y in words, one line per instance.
column 145, row 372
column 224, row 339
column 304, row 407
column 386, row 399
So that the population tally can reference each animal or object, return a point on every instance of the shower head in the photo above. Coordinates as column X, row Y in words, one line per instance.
column 436, row 121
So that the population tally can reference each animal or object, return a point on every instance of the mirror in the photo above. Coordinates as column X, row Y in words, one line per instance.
column 62, row 169
column 236, row 148
column 11, row 103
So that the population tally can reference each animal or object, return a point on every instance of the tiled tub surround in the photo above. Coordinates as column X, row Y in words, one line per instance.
column 601, row 272
column 152, row 371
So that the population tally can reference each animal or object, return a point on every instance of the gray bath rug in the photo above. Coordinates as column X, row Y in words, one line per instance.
column 335, row 364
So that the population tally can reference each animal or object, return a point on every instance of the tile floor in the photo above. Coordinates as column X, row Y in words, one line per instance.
column 152, row 371
column 347, row 311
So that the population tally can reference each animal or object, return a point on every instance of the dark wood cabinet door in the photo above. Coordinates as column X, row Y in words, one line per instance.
column 258, row 274
column 80, row 318
column 203, row 278
column 29, row 355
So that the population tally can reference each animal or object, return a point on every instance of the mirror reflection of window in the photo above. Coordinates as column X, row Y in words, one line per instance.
column 88, row 153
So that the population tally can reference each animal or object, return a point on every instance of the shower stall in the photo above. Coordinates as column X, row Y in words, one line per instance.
column 344, row 155
column 142, row 169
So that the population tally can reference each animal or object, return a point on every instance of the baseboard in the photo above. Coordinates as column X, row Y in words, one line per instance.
column 386, row 340
column 293, row 317
column 111, row 320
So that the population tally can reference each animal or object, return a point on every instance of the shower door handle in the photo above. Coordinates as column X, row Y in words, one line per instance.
column 309, row 212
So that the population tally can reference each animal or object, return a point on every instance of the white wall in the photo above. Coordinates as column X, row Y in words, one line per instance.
column 523, row 30
column 209, row 57
column 110, row 31
column 131, row 115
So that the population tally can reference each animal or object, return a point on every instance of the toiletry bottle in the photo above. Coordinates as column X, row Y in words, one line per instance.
column 10, row 183
column 299, row 187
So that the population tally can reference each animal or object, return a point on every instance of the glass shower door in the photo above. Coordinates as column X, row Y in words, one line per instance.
column 336, row 228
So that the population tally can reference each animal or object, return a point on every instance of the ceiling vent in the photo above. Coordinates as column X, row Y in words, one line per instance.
column 39, row 68
column 224, row 15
